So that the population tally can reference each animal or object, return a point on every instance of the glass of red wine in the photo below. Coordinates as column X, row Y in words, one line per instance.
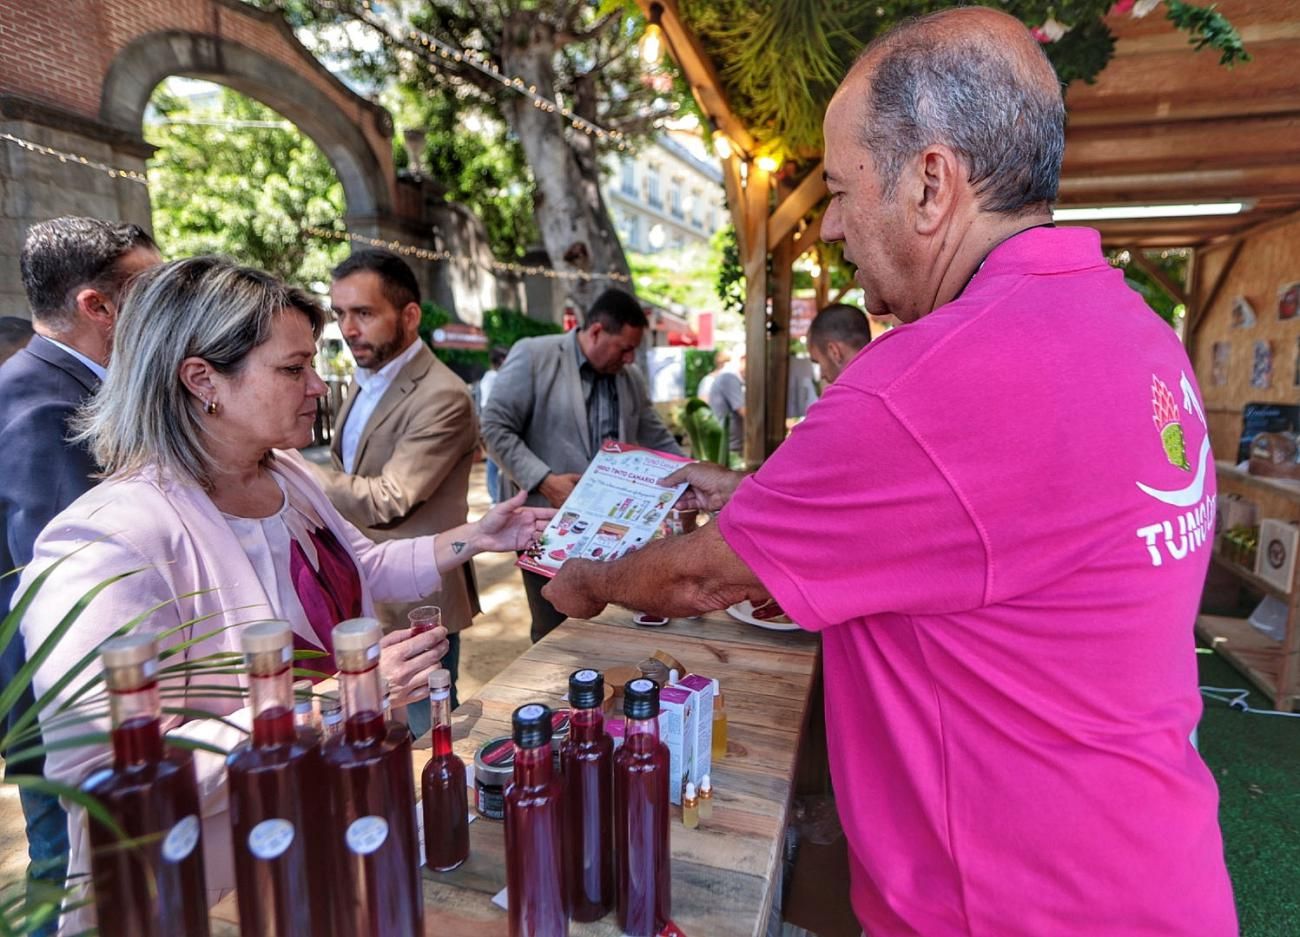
column 425, row 618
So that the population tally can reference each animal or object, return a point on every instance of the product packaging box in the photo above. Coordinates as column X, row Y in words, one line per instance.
column 702, row 689
column 677, row 730
column 1233, row 511
column 1275, row 560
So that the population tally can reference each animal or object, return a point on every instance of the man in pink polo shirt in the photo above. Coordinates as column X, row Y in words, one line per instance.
column 999, row 520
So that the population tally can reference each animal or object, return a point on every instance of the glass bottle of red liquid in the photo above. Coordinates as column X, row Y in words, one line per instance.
column 375, row 866
column 276, row 802
column 642, row 860
column 445, row 793
column 588, row 759
column 148, row 880
column 534, row 832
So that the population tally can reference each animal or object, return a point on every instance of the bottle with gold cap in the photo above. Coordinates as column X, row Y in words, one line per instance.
column 148, row 873
column 690, row 807
column 706, row 798
column 375, row 869
column 281, row 869
column 445, row 789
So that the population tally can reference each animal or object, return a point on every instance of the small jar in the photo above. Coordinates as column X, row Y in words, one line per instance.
column 654, row 669
column 494, row 768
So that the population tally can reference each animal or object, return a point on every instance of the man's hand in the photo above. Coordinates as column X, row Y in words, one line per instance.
column 511, row 526
column 556, row 488
column 711, row 485
column 570, row 590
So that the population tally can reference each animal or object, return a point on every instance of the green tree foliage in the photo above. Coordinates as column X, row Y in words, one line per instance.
column 471, row 152
column 780, row 61
column 237, row 179
column 1173, row 264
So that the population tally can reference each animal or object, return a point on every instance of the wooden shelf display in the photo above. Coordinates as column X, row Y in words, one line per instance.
column 1273, row 666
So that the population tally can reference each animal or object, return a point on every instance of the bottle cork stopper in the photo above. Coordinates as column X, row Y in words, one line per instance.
column 356, row 634
column 266, row 636
column 129, row 651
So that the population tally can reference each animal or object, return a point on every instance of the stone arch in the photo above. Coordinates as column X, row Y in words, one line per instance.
column 350, row 134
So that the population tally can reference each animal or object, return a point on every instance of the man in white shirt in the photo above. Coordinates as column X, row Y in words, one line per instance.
column 407, row 434
column 74, row 272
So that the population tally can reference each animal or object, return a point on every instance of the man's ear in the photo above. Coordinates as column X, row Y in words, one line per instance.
column 836, row 351
column 935, row 189
column 96, row 308
column 411, row 314
column 197, row 376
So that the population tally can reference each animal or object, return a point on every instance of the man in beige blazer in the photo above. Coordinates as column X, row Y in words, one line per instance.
column 407, row 435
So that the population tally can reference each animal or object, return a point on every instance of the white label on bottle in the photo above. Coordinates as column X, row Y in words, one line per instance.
column 367, row 834
column 585, row 676
column 149, row 667
column 270, row 838
column 640, row 686
column 531, row 711
column 182, row 839
column 286, row 654
column 372, row 652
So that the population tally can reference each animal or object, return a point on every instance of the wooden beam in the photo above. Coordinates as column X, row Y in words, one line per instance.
column 757, row 200
column 810, row 237
column 1198, row 185
column 840, row 293
column 1197, row 315
column 778, row 339
column 798, row 203
column 700, row 74
column 1151, row 270
column 735, row 199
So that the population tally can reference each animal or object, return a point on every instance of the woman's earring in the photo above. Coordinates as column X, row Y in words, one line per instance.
column 210, row 407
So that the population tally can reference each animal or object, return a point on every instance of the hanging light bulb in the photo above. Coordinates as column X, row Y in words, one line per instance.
column 652, row 41
column 768, row 164
column 722, row 145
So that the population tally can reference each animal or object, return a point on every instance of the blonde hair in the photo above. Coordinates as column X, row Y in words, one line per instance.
column 204, row 307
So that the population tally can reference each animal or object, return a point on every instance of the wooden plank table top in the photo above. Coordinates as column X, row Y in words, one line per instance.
column 724, row 872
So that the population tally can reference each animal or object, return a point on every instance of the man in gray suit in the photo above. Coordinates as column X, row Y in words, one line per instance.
column 555, row 402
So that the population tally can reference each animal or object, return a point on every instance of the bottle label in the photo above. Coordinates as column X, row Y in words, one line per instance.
column 586, row 676
column 182, row 839
column 367, row 834
column 531, row 711
column 270, row 838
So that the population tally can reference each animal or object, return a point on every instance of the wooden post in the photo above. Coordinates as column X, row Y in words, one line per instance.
column 757, row 197
column 778, row 342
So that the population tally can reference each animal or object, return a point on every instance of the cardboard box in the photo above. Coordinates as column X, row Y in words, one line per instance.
column 702, row 688
column 1232, row 511
column 677, row 727
column 1275, row 560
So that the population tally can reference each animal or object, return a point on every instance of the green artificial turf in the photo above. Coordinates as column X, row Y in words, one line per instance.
column 1256, row 762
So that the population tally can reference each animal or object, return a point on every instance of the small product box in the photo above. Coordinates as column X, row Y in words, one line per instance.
column 677, row 731
column 1233, row 511
column 1276, row 558
column 702, row 689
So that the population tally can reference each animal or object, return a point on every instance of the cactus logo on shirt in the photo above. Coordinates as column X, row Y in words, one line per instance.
column 1182, row 534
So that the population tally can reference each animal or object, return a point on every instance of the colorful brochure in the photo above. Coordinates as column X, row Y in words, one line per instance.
column 615, row 509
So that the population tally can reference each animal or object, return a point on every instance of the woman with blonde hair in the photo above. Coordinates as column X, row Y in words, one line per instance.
column 218, row 521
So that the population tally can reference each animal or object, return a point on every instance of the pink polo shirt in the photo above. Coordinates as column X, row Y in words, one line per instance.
column 999, row 518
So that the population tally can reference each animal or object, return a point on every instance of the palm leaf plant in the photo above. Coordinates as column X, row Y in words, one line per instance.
column 33, row 906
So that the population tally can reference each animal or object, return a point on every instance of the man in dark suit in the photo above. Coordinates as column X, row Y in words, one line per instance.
column 74, row 271
column 557, row 399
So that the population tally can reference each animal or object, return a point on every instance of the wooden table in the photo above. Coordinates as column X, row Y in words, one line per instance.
column 725, row 872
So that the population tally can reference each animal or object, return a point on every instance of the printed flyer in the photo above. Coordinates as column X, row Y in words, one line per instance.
column 616, row 508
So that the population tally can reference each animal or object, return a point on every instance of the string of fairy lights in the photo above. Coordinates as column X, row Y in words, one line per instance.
column 113, row 172
column 439, row 49
column 422, row 253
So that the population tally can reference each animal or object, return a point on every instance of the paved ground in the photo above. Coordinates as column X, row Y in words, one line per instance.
column 499, row 635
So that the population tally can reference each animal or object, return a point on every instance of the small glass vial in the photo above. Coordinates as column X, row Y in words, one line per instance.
column 719, row 749
column 690, row 807
column 304, row 713
column 706, row 798
column 388, row 698
column 445, row 794
column 331, row 716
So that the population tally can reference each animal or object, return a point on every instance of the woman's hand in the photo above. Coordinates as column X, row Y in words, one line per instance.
column 406, row 660
column 511, row 526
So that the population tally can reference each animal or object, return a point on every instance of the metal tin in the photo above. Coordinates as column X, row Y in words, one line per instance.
column 559, row 732
column 494, row 767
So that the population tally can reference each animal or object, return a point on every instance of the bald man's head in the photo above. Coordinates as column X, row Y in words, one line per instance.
column 972, row 79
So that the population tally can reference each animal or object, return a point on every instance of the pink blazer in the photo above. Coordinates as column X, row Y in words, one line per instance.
column 192, row 576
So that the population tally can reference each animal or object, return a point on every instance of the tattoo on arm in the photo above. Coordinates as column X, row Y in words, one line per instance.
column 457, row 546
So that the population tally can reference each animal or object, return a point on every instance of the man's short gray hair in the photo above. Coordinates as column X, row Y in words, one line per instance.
column 204, row 307
column 967, row 93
